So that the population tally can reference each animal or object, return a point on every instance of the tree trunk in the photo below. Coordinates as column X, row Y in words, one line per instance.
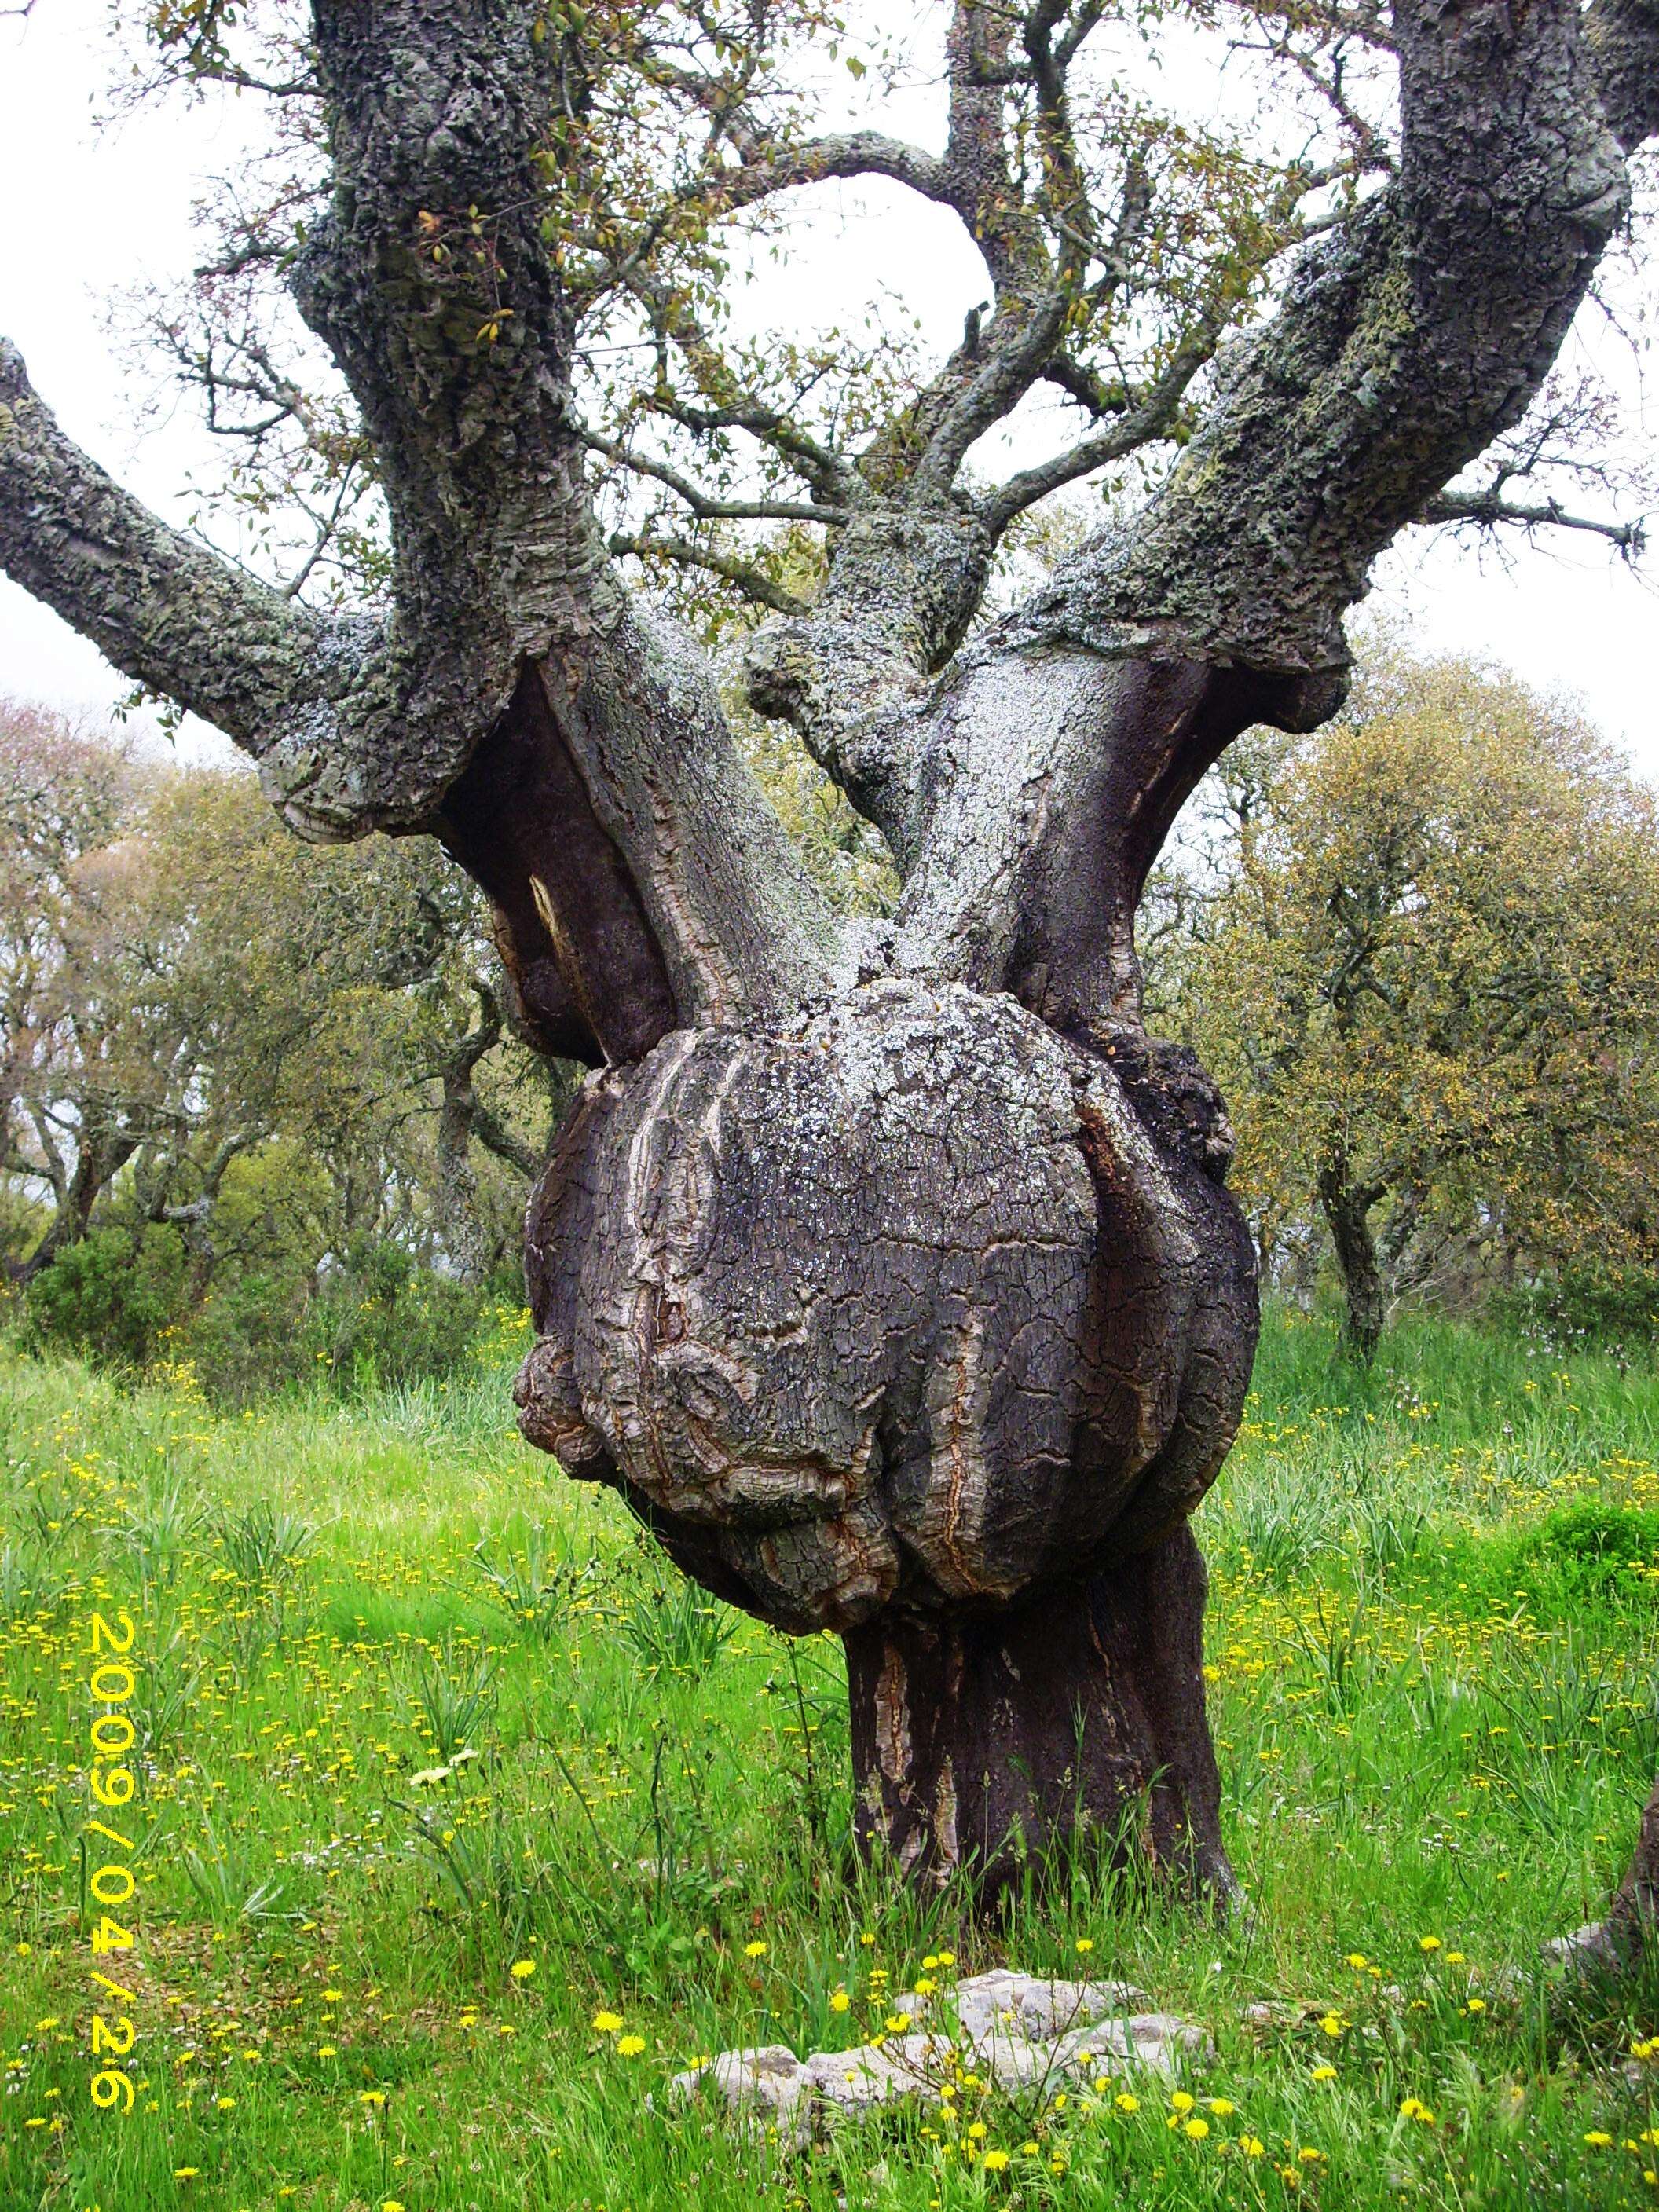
column 1635, row 1908
column 983, row 1744
column 459, row 1222
column 917, row 1322
column 1348, row 1210
column 99, row 1161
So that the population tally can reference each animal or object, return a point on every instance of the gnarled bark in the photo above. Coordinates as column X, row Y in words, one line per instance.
column 898, row 1318
column 889, row 1273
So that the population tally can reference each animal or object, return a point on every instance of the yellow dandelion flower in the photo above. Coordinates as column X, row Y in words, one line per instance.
column 1181, row 2101
column 1127, row 2103
column 995, row 2160
column 606, row 2023
column 522, row 1969
column 1196, row 2129
column 1428, row 1942
column 977, row 2131
column 1324, row 2073
column 1086, row 1943
column 630, row 2046
column 1252, row 2146
column 1332, row 2023
column 753, row 1950
column 1223, row 2108
column 1598, row 2139
column 327, row 2050
column 840, row 2002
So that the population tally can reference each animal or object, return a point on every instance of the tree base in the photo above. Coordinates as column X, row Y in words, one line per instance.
column 983, row 1744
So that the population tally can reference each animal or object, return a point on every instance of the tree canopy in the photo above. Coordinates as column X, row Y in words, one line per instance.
column 1420, row 952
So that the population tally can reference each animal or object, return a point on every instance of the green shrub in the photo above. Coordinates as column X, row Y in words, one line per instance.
column 244, row 1338
column 115, row 1295
column 1581, row 1557
column 383, row 1318
column 1588, row 1304
column 1594, row 1547
column 379, row 1319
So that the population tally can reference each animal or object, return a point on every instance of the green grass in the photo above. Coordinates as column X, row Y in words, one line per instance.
column 1431, row 1646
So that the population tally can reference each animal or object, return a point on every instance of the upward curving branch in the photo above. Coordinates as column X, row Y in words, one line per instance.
column 163, row 607
column 1064, row 742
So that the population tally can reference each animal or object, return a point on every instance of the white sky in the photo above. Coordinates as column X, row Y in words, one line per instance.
column 89, row 210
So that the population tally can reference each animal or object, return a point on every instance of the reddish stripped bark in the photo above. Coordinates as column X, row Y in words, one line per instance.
column 986, row 1742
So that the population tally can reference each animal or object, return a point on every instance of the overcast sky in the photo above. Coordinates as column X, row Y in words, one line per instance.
column 91, row 210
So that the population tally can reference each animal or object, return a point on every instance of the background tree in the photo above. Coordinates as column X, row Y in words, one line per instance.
column 887, row 1271
column 1421, row 956
column 275, row 1054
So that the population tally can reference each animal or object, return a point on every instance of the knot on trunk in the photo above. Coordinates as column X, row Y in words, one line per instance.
column 903, row 1306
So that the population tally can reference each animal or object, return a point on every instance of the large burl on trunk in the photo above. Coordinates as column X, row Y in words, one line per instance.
column 914, row 1320
column 885, row 1268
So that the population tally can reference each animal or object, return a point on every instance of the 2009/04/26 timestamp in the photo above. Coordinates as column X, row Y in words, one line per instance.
column 112, row 1885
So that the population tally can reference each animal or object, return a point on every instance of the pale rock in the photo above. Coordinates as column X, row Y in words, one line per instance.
column 1156, row 2041
column 1036, row 2009
column 765, row 2085
column 873, row 2074
column 1020, row 2031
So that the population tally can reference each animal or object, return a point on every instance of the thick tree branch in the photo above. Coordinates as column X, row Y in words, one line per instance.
column 902, row 589
column 169, row 613
column 841, row 157
column 651, row 885
column 1621, row 38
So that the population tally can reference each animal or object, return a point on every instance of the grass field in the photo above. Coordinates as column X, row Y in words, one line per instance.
column 436, row 1766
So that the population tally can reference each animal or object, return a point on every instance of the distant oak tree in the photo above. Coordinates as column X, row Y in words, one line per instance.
column 886, row 1267
column 1420, row 950
column 188, row 996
